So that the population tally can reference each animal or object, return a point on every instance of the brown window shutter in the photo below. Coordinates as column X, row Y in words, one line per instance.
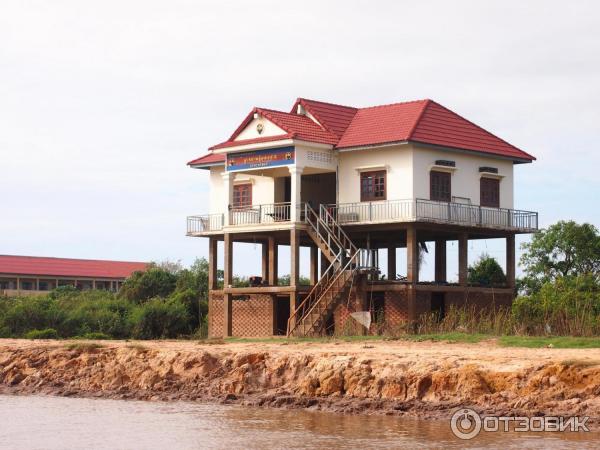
column 440, row 186
column 489, row 192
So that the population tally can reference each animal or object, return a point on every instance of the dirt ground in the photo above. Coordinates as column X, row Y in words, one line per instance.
column 425, row 379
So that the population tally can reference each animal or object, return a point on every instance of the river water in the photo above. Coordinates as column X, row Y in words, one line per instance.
column 32, row 422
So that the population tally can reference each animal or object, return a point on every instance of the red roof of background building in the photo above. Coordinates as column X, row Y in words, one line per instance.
column 67, row 267
column 423, row 121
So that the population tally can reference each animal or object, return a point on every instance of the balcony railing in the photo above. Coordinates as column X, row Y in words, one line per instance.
column 205, row 223
column 259, row 214
column 375, row 212
column 434, row 211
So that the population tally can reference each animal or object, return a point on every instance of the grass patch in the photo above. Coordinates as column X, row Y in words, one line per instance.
column 84, row 346
column 451, row 338
column 554, row 341
column 580, row 363
column 138, row 347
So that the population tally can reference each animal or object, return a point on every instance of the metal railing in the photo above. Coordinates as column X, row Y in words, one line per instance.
column 205, row 223
column 433, row 211
column 257, row 214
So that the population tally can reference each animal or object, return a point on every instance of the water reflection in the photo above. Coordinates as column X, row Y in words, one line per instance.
column 57, row 423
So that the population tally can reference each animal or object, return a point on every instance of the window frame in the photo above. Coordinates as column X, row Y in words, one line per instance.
column 486, row 200
column 237, row 196
column 371, row 196
column 439, row 173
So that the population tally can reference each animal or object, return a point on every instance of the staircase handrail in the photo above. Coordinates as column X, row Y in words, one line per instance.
column 330, row 279
column 321, row 224
column 328, row 218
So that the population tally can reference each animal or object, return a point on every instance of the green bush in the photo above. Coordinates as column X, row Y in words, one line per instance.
column 47, row 333
column 160, row 318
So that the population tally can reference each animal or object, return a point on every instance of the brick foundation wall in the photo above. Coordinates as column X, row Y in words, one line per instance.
column 249, row 318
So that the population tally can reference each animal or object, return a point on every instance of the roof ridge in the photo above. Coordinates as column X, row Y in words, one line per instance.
column 397, row 103
column 416, row 124
column 482, row 129
column 299, row 99
column 74, row 259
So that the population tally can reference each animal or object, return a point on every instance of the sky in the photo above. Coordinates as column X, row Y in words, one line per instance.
column 102, row 103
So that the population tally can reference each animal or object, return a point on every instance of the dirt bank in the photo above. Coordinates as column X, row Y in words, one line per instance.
column 392, row 377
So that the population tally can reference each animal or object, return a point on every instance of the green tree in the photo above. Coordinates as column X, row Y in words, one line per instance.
column 486, row 272
column 561, row 250
column 153, row 282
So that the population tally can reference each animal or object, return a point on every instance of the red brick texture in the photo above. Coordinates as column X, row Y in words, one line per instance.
column 250, row 318
column 255, row 316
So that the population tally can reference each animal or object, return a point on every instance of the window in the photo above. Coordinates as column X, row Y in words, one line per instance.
column 372, row 186
column 489, row 192
column 242, row 195
column 440, row 186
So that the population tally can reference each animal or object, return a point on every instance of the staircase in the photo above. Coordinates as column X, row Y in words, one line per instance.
column 310, row 317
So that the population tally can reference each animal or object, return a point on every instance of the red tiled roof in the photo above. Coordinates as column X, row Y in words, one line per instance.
column 440, row 126
column 334, row 118
column 382, row 124
column 66, row 267
column 423, row 121
column 208, row 159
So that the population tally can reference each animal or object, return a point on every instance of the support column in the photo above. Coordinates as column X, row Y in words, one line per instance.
column 93, row 284
column 440, row 260
column 273, row 261
column 296, row 188
column 37, row 284
column 412, row 270
column 391, row 265
column 293, row 304
column 412, row 255
column 212, row 263
column 265, row 261
column 510, row 261
column 294, row 256
column 314, row 265
column 228, row 179
column 227, row 281
column 324, row 263
column 463, row 258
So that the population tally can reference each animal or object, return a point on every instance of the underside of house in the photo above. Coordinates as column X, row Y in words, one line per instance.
column 348, row 183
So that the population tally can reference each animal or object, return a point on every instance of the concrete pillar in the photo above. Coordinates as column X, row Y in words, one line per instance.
column 440, row 260
column 227, row 281
column 293, row 305
column 265, row 261
column 391, row 265
column 314, row 264
column 463, row 258
column 212, row 263
column 510, row 261
column 228, row 179
column 18, row 285
column 93, row 284
column 273, row 261
column 296, row 188
column 324, row 263
column 294, row 257
column 37, row 284
column 412, row 255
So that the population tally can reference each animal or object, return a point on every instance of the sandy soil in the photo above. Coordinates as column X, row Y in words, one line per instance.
column 422, row 379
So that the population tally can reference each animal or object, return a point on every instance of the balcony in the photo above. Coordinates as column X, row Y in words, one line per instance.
column 272, row 213
column 387, row 211
column 421, row 210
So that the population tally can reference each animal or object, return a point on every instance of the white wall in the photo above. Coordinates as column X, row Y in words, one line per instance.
column 262, row 189
column 396, row 159
column 465, row 179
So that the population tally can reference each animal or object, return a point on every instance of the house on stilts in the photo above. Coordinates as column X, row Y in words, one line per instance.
column 347, row 182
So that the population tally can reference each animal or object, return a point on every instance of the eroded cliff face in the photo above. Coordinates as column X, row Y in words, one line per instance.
column 341, row 381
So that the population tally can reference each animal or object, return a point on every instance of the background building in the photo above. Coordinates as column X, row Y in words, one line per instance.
column 29, row 275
